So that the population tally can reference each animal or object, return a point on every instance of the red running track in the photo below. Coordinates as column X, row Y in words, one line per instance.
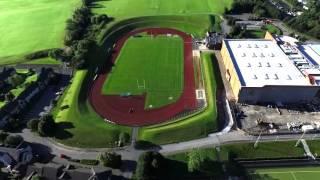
column 116, row 108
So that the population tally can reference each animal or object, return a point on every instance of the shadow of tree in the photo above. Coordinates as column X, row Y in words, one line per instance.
column 42, row 153
column 179, row 170
column 144, row 145
column 128, row 166
column 61, row 130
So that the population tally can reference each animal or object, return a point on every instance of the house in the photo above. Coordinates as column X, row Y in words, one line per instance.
column 15, row 157
column 20, row 103
column 53, row 171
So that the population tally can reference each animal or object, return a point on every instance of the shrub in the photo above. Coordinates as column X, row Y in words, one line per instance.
column 150, row 166
column 13, row 140
column 13, row 124
column 33, row 124
column 46, row 125
column 9, row 96
column 112, row 160
column 90, row 162
column 38, row 54
column 3, row 136
column 123, row 138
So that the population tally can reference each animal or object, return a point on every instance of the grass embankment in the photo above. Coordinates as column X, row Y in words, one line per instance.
column 80, row 127
column 195, row 126
column 151, row 65
column 28, row 26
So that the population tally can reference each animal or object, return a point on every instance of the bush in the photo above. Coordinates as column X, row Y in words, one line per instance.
column 150, row 166
column 9, row 96
column 124, row 138
column 13, row 124
column 46, row 126
column 112, row 160
column 33, row 124
column 16, row 80
column 38, row 54
column 90, row 162
column 3, row 136
column 13, row 140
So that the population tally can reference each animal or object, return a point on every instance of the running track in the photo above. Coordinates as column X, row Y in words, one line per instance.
column 116, row 108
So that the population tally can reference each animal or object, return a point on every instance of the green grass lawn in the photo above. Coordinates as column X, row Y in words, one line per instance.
column 28, row 26
column 294, row 173
column 195, row 126
column 81, row 127
column 17, row 91
column 151, row 65
column 264, row 150
column 129, row 8
column 273, row 29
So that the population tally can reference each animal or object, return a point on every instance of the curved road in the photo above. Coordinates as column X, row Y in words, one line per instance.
column 129, row 153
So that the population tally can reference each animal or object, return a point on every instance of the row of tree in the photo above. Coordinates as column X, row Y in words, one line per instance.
column 80, row 36
column 45, row 125
column 260, row 8
column 309, row 21
column 10, row 140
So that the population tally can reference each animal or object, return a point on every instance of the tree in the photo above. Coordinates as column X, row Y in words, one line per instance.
column 123, row 138
column 112, row 160
column 86, row 2
column 13, row 140
column 33, row 124
column 13, row 124
column 150, row 166
column 46, row 125
column 16, row 80
column 3, row 136
column 9, row 96
column 194, row 160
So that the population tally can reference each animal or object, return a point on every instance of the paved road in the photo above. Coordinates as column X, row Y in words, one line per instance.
column 129, row 153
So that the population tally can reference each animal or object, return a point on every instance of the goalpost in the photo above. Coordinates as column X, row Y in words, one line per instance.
column 142, row 85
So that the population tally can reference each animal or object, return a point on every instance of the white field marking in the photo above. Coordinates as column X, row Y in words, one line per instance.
column 284, row 172
column 292, row 174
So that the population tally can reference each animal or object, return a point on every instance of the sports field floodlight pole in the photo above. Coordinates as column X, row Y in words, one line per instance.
column 257, row 141
column 298, row 141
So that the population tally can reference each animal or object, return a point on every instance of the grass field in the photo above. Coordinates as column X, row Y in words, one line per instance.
column 151, row 65
column 264, row 150
column 195, row 126
column 294, row 173
column 80, row 127
column 28, row 26
column 129, row 8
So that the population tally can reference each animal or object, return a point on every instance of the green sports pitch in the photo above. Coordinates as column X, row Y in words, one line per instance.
column 294, row 173
column 150, row 65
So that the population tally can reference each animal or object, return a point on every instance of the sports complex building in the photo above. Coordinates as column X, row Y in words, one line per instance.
column 269, row 71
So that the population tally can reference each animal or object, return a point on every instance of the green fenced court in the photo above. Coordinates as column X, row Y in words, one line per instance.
column 149, row 65
column 294, row 173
